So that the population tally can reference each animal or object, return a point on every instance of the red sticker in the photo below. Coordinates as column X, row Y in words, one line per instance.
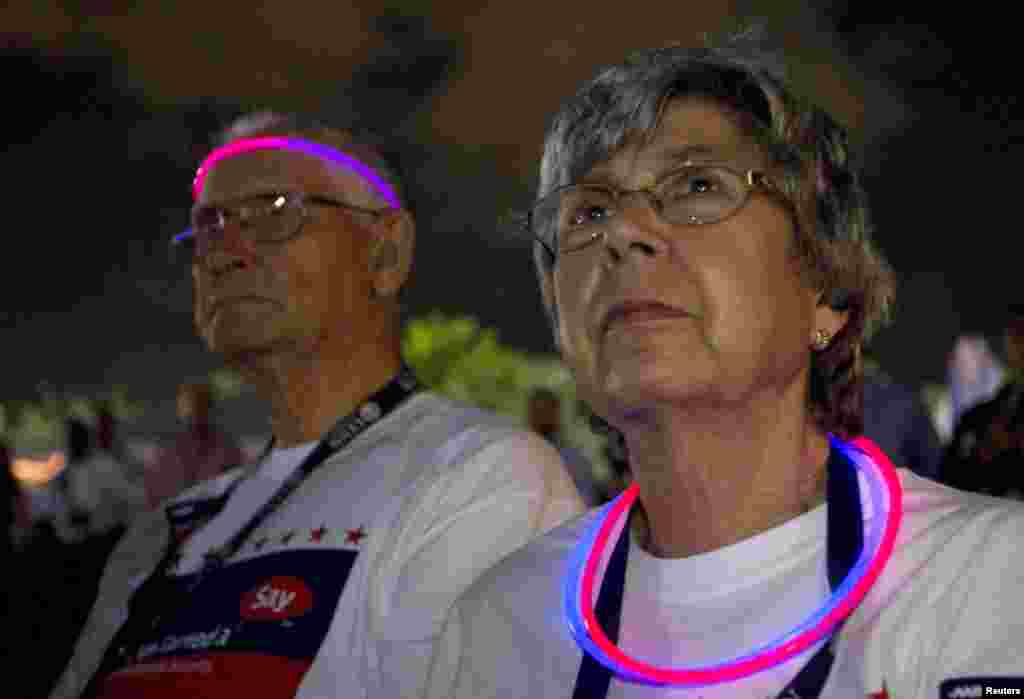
column 280, row 597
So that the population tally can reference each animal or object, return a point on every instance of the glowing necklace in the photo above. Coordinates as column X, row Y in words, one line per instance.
column 886, row 499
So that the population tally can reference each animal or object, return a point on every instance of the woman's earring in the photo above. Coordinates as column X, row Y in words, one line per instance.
column 821, row 340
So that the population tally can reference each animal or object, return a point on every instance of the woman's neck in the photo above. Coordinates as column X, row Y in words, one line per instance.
column 711, row 478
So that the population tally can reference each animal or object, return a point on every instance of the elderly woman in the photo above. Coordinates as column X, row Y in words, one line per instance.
column 703, row 249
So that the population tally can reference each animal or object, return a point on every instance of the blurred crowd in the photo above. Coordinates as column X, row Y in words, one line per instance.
column 58, row 534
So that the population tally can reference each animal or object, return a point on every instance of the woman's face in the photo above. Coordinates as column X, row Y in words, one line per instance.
column 662, row 312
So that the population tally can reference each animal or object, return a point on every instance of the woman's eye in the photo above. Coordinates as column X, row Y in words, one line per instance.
column 588, row 214
column 693, row 183
column 701, row 184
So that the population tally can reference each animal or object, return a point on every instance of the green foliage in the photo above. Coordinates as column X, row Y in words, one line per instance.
column 457, row 358
column 225, row 384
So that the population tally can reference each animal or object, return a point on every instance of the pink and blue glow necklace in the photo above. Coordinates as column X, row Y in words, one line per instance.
column 874, row 553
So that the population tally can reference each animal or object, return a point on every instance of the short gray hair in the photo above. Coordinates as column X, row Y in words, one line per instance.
column 369, row 147
column 805, row 144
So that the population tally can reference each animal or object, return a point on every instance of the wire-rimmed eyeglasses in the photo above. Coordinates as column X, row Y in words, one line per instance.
column 265, row 218
column 574, row 216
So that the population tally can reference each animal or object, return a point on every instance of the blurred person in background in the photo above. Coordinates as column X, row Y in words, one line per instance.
column 202, row 450
column 10, row 493
column 327, row 568
column 10, row 503
column 986, row 454
column 73, row 487
column 896, row 418
column 109, row 442
column 96, row 496
column 544, row 416
column 974, row 375
column 704, row 250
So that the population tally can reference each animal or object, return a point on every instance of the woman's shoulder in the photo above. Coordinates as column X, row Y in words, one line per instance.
column 945, row 534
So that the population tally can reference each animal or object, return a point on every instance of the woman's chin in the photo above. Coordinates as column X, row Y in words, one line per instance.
column 637, row 385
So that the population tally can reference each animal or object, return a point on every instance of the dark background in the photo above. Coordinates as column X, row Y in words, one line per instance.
column 109, row 105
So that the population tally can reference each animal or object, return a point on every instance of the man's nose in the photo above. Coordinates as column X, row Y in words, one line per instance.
column 225, row 247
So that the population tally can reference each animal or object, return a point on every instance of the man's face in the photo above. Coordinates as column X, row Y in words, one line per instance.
column 719, row 311
column 258, row 297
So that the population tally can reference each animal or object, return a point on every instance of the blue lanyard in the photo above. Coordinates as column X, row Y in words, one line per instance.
column 845, row 539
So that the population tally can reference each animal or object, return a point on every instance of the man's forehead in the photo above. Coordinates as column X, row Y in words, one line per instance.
column 264, row 171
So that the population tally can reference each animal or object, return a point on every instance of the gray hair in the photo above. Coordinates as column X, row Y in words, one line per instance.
column 369, row 147
column 804, row 143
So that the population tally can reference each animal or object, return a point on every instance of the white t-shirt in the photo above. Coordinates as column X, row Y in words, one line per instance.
column 949, row 604
column 343, row 590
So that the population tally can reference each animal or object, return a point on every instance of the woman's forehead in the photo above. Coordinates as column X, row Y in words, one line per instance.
column 690, row 129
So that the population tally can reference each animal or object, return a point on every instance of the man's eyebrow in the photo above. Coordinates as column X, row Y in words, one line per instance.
column 253, row 190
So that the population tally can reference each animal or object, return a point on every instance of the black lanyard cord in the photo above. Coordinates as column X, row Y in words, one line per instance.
column 844, row 542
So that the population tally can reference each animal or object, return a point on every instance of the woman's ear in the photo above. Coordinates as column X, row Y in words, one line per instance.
column 827, row 320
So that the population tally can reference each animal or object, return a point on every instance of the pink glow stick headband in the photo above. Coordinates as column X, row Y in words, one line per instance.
column 878, row 546
column 298, row 145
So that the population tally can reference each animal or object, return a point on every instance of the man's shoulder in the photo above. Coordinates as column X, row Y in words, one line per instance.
column 452, row 430
column 534, row 572
column 433, row 409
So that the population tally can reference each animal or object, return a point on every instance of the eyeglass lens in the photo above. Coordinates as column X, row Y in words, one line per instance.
column 265, row 218
column 698, row 194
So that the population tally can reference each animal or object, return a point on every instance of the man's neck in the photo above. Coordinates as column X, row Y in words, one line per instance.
column 309, row 391
column 710, row 478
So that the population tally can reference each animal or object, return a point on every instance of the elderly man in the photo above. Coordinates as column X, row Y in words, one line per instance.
column 704, row 250
column 326, row 569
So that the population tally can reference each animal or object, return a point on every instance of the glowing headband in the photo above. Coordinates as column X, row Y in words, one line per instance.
column 298, row 145
column 878, row 546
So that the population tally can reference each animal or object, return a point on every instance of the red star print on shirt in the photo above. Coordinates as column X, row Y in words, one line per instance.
column 353, row 536
column 317, row 534
column 883, row 693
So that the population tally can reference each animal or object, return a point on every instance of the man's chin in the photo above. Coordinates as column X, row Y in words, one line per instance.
column 233, row 341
